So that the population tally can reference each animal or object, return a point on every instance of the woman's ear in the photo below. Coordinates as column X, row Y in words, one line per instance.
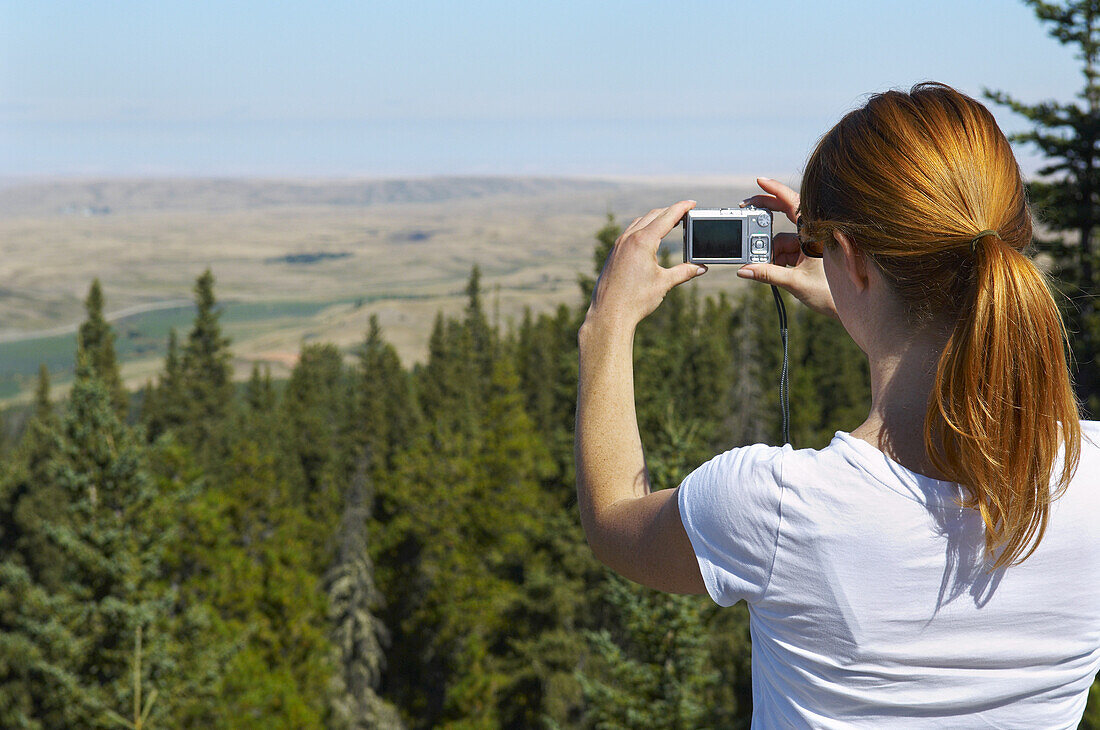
column 854, row 262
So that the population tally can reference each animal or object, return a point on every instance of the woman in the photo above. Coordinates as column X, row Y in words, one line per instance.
column 938, row 566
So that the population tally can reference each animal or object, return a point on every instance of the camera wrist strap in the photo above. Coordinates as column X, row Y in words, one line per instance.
column 784, row 374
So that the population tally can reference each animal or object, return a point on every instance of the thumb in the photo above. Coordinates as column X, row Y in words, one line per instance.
column 683, row 272
column 768, row 274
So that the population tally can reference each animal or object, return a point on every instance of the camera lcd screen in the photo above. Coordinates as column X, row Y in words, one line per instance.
column 716, row 239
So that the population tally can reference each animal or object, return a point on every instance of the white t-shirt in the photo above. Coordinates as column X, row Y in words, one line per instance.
column 869, row 602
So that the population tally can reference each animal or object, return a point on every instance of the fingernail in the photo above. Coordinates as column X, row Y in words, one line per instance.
column 746, row 273
column 763, row 178
column 744, row 202
column 700, row 270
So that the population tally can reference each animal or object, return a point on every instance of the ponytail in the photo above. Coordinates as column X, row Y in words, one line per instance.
column 925, row 184
column 1002, row 402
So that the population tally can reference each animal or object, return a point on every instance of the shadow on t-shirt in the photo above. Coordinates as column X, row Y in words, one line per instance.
column 967, row 568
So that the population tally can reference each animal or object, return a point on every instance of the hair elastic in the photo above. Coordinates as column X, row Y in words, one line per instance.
column 986, row 232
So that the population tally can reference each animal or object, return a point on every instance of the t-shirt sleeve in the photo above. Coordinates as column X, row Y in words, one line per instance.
column 730, row 507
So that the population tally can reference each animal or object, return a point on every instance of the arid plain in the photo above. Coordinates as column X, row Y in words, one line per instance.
column 299, row 261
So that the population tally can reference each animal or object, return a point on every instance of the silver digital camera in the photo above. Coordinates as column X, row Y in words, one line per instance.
column 728, row 236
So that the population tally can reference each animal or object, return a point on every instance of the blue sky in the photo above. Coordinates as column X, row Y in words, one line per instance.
column 422, row 88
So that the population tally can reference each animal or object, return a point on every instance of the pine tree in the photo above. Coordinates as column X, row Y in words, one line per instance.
column 656, row 671
column 26, row 499
column 98, row 340
column 455, row 381
column 463, row 519
column 443, row 386
column 249, row 557
column 359, row 638
column 546, row 357
column 43, row 409
column 482, row 341
column 316, row 408
column 536, row 549
column 26, row 466
column 385, row 410
column 205, row 370
column 28, row 495
column 71, row 625
column 165, row 407
column 36, row 685
column 199, row 654
column 1068, row 134
column 259, row 394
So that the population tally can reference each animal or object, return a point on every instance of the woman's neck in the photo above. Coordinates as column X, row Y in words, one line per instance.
column 901, row 381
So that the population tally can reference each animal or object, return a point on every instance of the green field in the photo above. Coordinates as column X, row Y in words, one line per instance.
column 141, row 336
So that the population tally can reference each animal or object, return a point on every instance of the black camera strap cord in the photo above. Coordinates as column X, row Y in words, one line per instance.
column 784, row 374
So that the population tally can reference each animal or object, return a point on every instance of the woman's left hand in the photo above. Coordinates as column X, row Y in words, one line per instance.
column 632, row 283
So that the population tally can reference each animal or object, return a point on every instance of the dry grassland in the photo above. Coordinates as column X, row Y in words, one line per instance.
column 406, row 249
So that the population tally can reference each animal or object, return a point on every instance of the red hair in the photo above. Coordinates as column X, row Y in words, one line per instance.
column 912, row 179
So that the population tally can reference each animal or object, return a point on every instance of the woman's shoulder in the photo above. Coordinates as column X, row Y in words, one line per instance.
column 849, row 461
column 759, row 458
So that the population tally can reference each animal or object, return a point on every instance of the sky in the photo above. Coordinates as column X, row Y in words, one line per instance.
column 573, row 87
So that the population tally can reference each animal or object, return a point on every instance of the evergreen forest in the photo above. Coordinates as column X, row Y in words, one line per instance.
column 367, row 545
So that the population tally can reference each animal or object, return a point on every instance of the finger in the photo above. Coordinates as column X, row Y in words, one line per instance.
column 786, row 243
column 768, row 274
column 668, row 218
column 786, row 249
column 642, row 221
column 786, row 196
column 764, row 201
column 680, row 273
column 629, row 229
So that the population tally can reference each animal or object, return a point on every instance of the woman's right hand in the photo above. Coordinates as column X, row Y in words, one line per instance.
column 806, row 277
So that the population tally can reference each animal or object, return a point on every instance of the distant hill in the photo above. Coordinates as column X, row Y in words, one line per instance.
column 103, row 197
